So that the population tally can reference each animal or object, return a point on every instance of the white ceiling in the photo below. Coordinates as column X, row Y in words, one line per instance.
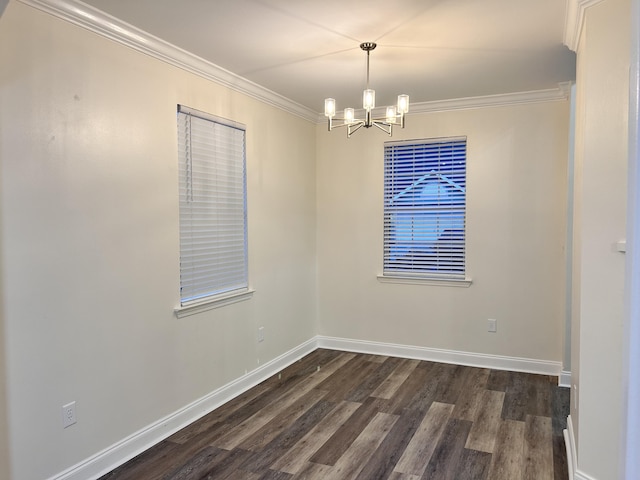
column 308, row 50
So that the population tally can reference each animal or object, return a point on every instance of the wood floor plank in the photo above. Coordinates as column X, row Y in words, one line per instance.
column 214, row 419
column 149, row 460
column 427, row 392
column 272, row 390
column 342, row 439
column 418, row 452
column 297, row 456
column 376, row 358
column 539, row 389
column 451, row 384
column 538, row 449
column 560, row 467
column 372, row 380
column 354, row 458
column 197, row 466
column 228, row 467
column 238, row 475
column 405, row 394
column 516, row 397
column 483, row 433
column 386, row 456
column 474, row 465
column 314, row 471
column 284, row 419
column 348, row 370
column 347, row 382
column 560, row 404
column 508, row 457
column 247, row 430
column 499, row 380
column 316, row 360
column 402, row 476
column 259, row 419
column 448, row 454
column 335, row 365
column 396, row 378
column 472, row 394
column 279, row 445
column 561, row 401
column 273, row 475
column 171, row 460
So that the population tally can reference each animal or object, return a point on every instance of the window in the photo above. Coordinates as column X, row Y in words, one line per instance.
column 213, row 208
column 424, row 209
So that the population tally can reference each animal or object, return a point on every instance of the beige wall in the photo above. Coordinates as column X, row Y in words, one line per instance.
column 90, row 241
column 601, row 164
column 516, row 214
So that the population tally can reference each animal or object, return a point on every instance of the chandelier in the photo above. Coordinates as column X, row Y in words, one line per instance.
column 394, row 114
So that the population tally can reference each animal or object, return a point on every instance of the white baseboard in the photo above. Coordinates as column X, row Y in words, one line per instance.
column 572, row 457
column 124, row 450
column 481, row 360
column 119, row 453
column 565, row 379
column 582, row 476
column 570, row 446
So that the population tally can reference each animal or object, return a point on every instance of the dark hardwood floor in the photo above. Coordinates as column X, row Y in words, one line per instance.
column 337, row 415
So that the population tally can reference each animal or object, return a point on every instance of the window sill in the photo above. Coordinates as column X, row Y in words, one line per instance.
column 211, row 303
column 439, row 282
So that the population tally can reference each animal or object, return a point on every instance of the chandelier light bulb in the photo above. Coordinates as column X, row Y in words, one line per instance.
column 349, row 115
column 403, row 103
column 369, row 99
column 391, row 114
column 329, row 107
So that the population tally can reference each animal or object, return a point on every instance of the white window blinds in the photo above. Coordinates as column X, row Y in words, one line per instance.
column 424, row 208
column 213, row 220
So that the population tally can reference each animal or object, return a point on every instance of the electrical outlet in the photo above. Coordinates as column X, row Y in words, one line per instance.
column 493, row 325
column 68, row 414
column 261, row 334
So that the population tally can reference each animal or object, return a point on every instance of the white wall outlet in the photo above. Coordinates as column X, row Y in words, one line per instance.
column 493, row 325
column 68, row 414
column 261, row 334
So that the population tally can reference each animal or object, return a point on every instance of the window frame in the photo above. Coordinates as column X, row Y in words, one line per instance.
column 213, row 168
column 404, row 173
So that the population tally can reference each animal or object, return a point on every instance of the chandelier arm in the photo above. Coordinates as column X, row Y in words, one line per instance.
column 382, row 125
column 333, row 125
column 385, row 120
column 397, row 120
column 351, row 130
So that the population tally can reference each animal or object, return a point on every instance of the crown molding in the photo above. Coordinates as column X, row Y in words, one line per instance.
column 518, row 98
column 96, row 21
column 560, row 93
column 574, row 21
